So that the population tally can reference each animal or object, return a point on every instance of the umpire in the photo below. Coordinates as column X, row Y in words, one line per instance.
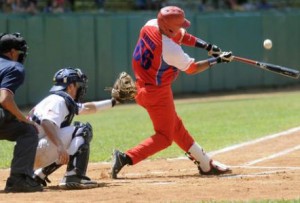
column 13, row 124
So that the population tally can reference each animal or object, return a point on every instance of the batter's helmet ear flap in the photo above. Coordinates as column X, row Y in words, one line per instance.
column 170, row 19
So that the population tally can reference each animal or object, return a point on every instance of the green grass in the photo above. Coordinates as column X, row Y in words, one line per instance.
column 215, row 122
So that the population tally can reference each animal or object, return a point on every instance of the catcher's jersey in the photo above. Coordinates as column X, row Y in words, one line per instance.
column 157, row 59
column 52, row 108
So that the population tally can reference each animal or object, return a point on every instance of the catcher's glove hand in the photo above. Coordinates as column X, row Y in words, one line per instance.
column 124, row 88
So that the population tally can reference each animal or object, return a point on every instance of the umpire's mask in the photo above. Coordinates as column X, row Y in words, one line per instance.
column 14, row 41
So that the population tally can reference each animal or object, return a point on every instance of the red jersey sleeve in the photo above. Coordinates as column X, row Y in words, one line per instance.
column 184, row 38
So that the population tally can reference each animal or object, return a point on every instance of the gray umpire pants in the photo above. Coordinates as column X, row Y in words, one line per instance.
column 26, row 138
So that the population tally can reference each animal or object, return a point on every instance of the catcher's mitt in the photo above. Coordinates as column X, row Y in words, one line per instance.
column 124, row 88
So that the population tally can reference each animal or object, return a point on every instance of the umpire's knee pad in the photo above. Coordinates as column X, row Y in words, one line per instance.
column 84, row 130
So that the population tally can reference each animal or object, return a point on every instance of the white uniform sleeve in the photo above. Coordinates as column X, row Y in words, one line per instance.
column 174, row 55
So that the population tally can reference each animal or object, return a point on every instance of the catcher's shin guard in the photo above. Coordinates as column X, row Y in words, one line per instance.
column 76, row 170
column 119, row 160
column 41, row 175
column 79, row 161
column 75, row 177
column 79, row 158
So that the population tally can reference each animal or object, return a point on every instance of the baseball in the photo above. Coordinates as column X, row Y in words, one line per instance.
column 268, row 44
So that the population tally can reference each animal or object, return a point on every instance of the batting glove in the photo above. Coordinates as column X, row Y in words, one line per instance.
column 226, row 57
column 213, row 50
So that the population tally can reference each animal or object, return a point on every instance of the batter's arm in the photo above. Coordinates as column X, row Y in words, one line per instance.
column 187, row 39
column 200, row 66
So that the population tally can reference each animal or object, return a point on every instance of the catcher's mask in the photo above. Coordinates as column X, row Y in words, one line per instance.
column 13, row 41
column 67, row 76
column 170, row 19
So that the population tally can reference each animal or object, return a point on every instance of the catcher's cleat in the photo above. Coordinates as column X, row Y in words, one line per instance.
column 119, row 160
column 75, row 182
column 40, row 180
column 216, row 168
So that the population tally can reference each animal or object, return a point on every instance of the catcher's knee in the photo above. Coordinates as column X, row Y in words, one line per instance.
column 82, row 136
column 80, row 146
column 84, row 130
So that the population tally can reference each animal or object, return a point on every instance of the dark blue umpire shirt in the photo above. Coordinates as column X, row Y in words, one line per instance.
column 12, row 74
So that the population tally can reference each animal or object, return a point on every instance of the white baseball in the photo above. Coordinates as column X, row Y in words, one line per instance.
column 268, row 44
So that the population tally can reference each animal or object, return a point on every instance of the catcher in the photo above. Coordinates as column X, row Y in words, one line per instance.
column 60, row 142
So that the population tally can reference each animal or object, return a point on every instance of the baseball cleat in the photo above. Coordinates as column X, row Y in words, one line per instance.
column 22, row 183
column 40, row 180
column 118, row 162
column 216, row 168
column 75, row 182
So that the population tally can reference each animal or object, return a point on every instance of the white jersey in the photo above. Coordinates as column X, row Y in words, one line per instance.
column 53, row 108
column 173, row 53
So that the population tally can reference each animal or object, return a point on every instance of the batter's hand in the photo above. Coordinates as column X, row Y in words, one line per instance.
column 226, row 57
column 63, row 156
column 213, row 50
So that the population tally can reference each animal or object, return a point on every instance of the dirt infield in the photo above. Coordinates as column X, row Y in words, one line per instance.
column 267, row 168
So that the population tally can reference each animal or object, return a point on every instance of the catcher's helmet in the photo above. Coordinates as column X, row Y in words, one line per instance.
column 67, row 76
column 13, row 41
column 170, row 19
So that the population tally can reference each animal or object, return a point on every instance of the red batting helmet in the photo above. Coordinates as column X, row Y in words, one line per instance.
column 170, row 19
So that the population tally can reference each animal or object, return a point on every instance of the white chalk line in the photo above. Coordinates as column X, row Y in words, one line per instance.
column 274, row 169
column 236, row 146
column 264, row 173
column 230, row 148
column 249, row 175
column 248, row 164
column 267, row 167
column 233, row 147
column 284, row 152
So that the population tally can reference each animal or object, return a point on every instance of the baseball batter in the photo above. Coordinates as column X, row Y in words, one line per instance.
column 59, row 141
column 157, row 60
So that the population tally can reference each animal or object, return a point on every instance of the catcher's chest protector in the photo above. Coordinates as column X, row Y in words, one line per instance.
column 72, row 107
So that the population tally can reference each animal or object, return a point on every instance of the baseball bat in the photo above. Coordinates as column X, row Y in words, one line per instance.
column 270, row 67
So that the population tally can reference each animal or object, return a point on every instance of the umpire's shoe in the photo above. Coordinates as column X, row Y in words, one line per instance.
column 119, row 160
column 76, row 182
column 216, row 168
column 22, row 183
